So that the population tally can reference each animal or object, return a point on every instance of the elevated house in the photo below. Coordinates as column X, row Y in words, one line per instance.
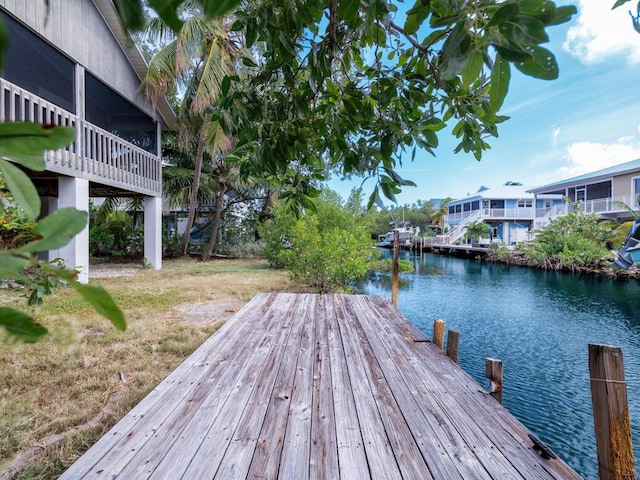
column 604, row 192
column 72, row 65
column 508, row 209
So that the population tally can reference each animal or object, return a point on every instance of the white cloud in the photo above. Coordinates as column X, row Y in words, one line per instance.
column 585, row 157
column 599, row 33
column 555, row 134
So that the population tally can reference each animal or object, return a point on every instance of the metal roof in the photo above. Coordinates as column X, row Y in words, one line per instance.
column 500, row 192
column 602, row 174
column 135, row 57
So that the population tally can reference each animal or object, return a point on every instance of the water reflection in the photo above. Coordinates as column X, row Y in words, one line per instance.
column 539, row 323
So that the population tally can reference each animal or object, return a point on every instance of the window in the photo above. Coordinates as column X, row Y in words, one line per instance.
column 34, row 65
column 475, row 205
column 108, row 110
column 467, row 207
column 636, row 191
column 525, row 203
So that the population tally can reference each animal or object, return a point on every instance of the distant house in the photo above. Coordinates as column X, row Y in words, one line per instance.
column 508, row 209
column 70, row 64
column 600, row 192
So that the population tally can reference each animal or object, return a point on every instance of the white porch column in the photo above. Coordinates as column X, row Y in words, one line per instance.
column 74, row 192
column 153, row 231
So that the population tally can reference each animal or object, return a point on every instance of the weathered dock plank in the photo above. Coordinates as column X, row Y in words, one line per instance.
column 314, row 387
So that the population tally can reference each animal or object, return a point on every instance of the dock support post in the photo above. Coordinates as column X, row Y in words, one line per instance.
column 396, row 269
column 452, row 344
column 611, row 413
column 438, row 333
column 493, row 371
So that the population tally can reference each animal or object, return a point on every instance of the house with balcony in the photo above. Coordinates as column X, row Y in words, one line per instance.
column 71, row 64
column 604, row 192
column 508, row 209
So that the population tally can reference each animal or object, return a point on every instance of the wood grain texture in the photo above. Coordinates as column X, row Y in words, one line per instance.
column 317, row 387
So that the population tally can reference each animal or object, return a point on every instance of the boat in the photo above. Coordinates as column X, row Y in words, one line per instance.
column 630, row 252
column 405, row 231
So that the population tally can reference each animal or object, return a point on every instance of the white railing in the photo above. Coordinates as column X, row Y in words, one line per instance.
column 458, row 231
column 95, row 155
column 598, row 206
column 523, row 213
column 119, row 162
column 19, row 105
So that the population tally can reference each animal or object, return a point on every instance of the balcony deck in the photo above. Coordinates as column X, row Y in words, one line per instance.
column 96, row 155
column 317, row 386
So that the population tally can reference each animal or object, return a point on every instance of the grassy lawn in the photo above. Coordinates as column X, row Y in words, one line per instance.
column 88, row 372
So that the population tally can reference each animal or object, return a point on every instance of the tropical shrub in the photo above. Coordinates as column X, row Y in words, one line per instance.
column 574, row 239
column 478, row 229
column 385, row 265
column 325, row 249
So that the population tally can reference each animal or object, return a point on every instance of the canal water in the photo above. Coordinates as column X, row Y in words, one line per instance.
column 539, row 324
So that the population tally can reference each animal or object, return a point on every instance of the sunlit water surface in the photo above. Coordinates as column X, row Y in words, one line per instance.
column 539, row 324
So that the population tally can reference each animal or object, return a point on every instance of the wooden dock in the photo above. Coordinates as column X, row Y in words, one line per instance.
column 317, row 387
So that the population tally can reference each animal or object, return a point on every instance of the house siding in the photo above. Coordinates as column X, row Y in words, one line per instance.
column 622, row 184
column 77, row 29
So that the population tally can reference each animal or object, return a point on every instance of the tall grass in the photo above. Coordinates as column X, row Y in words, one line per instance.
column 68, row 378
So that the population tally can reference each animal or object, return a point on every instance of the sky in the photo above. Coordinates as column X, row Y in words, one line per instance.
column 587, row 119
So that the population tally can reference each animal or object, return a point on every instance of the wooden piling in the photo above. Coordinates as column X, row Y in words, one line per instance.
column 438, row 333
column 493, row 371
column 452, row 344
column 396, row 268
column 611, row 413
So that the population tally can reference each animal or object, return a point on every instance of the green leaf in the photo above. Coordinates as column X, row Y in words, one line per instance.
column 20, row 326
column 619, row 3
column 416, row 17
column 226, row 85
column 167, row 11
column 500, row 78
column 348, row 9
column 251, row 35
column 524, row 31
column 504, row 13
column 24, row 193
column 387, row 145
column 513, row 55
column 563, row 14
column 215, row 8
column 100, row 299
column 57, row 229
column 543, row 65
column 26, row 142
column 12, row 267
column 472, row 68
column 131, row 13
column 454, row 52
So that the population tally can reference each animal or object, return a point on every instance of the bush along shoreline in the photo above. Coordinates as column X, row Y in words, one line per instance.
column 601, row 267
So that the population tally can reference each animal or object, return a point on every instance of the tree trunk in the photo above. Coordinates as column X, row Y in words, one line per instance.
column 193, row 198
column 216, row 223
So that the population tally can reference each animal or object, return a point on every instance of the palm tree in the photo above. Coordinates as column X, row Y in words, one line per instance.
column 438, row 216
column 193, row 65
column 476, row 230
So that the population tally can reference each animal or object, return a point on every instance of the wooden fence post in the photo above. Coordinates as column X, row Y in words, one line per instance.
column 452, row 344
column 493, row 371
column 438, row 333
column 611, row 413
column 396, row 269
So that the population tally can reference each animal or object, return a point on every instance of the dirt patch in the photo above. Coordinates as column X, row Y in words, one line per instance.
column 112, row 272
column 212, row 312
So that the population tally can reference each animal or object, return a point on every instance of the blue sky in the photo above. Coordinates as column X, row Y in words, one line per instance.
column 587, row 119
